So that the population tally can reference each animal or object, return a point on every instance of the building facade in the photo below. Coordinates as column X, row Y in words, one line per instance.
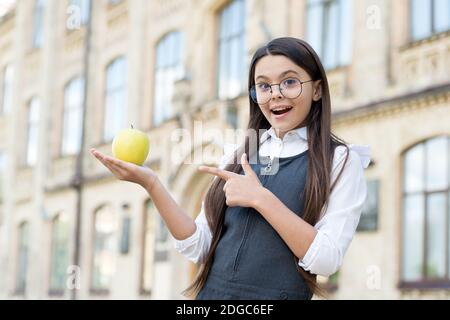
column 178, row 71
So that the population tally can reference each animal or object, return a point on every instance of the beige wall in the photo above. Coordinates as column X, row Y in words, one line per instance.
column 385, row 66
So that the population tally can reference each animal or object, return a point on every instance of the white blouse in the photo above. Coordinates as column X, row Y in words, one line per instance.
column 336, row 226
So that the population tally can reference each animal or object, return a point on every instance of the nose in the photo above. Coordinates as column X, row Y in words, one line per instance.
column 277, row 93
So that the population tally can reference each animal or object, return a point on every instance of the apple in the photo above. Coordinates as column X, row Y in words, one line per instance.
column 131, row 145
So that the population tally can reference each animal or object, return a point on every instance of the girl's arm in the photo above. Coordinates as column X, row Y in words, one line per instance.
column 180, row 224
column 296, row 232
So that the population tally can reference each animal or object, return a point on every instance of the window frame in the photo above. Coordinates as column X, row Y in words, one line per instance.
column 71, row 109
column 424, row 282
column 113, row 90
column 94, row 289
column 58, row 219
column 162, row 69
column 340, row 58
column 228, row 40
column 432, row 26
column 24, row 226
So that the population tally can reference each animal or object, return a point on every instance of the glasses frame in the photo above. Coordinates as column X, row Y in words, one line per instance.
column 252, row 91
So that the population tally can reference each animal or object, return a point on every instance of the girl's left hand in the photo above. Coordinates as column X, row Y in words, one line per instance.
column 240, row 190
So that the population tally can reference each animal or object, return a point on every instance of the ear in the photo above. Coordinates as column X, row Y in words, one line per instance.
column 317, row 90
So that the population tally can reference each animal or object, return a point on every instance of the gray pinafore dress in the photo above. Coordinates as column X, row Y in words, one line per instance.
column 251, row 261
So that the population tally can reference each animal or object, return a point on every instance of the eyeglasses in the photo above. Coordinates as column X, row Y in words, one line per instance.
column 290, row 88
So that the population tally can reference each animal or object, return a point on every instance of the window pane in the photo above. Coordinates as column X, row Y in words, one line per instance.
column 231, row 47
column 116, row 98
column 32, row 139
column 73, row 108
column 420, row 19
column 369, row 216
column 38, row 24
column 346, row 30
column 234, row 80
column 436, row 235
column 413, row 237
column 314, row 28
column 441, row 15
column 331, row 35
column 104, row 248
column 413, row 169
column 437, row 164
column 22, row 264
column 60, row 256
column 223, row 70
column 169, row 65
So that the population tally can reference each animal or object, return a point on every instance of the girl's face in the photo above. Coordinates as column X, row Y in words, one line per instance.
column 285, row 113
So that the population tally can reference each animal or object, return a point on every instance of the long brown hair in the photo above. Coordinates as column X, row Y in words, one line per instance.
column 321, row 145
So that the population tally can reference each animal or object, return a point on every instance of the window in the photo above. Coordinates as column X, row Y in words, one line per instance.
column 73, row 116
column 105, row 248
column 60, row 256
column 156, row 245
column 33, row 126
column 369, row 216
column 6, row 99
column 169, row 68
column 80, row 11
column 329, row 31
column 116, row 98
column 429, row 17
column 426, row 195
column 232, row 51
column 125, row 235
column 22, row 259
column 38, row 24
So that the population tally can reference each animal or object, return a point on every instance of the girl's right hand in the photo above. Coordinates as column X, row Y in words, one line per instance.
column 126, row 171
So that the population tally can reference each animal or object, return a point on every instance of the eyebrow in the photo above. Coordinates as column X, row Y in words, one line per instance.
column 281, row 74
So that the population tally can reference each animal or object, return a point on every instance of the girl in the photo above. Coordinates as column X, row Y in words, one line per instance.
column 273, row 220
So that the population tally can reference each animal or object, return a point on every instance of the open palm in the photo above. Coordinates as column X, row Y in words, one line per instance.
column 126, row 171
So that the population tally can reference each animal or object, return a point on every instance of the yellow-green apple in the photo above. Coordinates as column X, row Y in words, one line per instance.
column 131, row 145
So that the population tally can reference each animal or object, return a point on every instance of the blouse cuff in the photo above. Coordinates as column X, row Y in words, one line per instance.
column 181, row 245
column 312, row 252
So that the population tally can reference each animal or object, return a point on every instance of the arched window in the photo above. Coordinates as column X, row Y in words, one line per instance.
column 105, row 248
column 429, row 17
column 22, row 258
column 115, row 98
column 156, row 245
column 232, row 50
column 329, row 31
column 60, row 254
column 38, row 24
column 426, row 194
column 73, row 116
column 33, row 131
column 169, row 68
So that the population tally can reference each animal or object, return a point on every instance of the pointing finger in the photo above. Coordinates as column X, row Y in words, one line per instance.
column 223, row 174
column 246, row 166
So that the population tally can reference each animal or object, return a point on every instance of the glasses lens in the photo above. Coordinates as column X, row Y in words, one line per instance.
column 291, row 88
column 261, row 93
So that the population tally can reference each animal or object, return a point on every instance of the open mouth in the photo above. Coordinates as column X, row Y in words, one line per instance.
column 280, row 111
